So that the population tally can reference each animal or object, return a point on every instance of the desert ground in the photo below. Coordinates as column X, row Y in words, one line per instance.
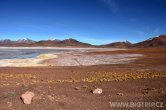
column 61, row 86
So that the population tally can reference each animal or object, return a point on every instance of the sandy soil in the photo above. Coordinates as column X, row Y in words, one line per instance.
column 69, row 88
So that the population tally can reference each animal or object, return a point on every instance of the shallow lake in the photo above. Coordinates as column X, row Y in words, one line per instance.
column 21, row 52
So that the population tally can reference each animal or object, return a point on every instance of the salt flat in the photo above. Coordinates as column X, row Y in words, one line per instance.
column 38, row 56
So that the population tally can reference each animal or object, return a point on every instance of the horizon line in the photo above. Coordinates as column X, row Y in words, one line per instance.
column 53, row 39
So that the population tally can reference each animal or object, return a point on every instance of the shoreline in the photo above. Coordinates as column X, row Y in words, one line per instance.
column 70, row 59
column 61, row 48
column 41, row 58
column 28, row 62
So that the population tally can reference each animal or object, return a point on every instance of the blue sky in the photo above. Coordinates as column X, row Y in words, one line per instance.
column 92, row 21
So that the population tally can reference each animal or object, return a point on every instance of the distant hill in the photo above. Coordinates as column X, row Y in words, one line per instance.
column 48, row 43
column 6, row 42
column 159, row 41
column 20, row 42
column 25, row 40
column 62, row 43
column 118, row 44
column 73, row 42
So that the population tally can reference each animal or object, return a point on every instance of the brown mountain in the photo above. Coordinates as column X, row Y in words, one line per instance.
column 48, row 43
column 159, row 41
column 73, row 42
column 20, row 42
column 25, row 40
column 6, row 42
column 64, row 43
column 124, row 44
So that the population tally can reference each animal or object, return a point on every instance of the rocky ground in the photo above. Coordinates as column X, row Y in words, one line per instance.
column 70, row 88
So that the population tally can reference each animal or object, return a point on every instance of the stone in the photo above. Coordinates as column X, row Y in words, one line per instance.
column 77, row 88
column 97, row 91
column 120, row 94
column 27, row 97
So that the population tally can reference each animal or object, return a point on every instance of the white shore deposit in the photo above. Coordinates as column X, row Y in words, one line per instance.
column 87, row 60
column 74, row 57
column 28, row 62
column 70, row 60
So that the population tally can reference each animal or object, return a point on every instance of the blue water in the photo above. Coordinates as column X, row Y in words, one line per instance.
column 25, row 53
column 13, row 53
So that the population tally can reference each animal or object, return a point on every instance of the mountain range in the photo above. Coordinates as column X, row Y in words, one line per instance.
column 159, row 41
column 45, row 43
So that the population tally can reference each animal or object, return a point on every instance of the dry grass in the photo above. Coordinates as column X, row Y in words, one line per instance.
column 101, row 76
column 8, row 79
column 113, row 76
column 17, row 76
column 9, row 94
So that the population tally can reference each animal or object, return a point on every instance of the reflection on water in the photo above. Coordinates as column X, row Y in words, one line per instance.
column 25, row 53
column 12, row 53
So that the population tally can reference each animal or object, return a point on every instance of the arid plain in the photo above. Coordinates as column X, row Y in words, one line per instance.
column 69, row 87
